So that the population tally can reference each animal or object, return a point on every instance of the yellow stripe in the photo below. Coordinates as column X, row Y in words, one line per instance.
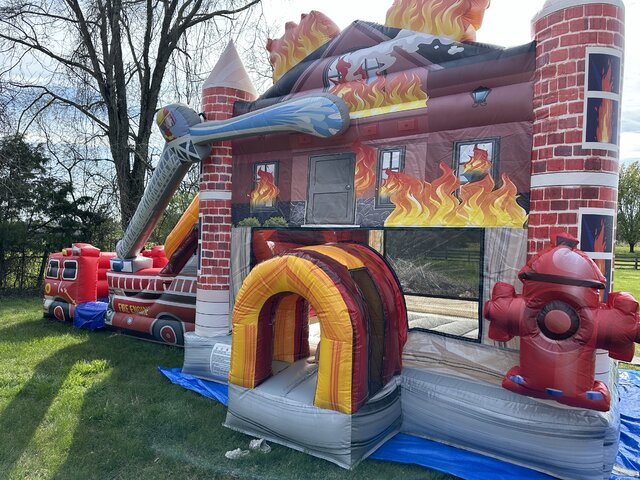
column 285, row 325
column 302, row 277
column 339, row 255
column 182, row 228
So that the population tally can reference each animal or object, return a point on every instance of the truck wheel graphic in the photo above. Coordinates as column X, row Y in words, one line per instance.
column 60, row 311
column 168, row 331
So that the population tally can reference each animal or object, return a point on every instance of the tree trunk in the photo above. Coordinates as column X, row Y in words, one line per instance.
column 43, row 265
column 3, row 267
column 632, row 247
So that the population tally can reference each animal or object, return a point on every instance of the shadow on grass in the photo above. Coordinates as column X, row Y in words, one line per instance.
column 22, row 416
column 129, row 422
column 27, row 331
column 108, row 402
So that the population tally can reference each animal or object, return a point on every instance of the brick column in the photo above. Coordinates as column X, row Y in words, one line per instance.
column 571, row 175
column 220, row 92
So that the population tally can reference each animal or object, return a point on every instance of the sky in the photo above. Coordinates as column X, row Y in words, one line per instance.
column 506, row 23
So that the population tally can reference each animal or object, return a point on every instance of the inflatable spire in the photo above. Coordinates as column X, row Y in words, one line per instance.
column 227, row 83
column 229, row 72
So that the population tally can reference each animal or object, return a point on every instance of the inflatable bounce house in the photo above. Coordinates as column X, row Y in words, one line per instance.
column 387, row 239
column 75, row 276
column 155, row 302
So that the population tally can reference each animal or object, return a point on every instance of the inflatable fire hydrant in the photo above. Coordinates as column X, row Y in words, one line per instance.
column 561, row 322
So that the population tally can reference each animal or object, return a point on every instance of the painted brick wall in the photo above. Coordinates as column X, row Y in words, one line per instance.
column 559, row 102
column 215, row 219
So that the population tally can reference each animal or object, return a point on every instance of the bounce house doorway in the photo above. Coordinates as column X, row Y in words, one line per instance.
column 360, row 309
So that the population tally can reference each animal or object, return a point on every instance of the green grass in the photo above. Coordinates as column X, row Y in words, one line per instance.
column 80, row 405
column 627, row 280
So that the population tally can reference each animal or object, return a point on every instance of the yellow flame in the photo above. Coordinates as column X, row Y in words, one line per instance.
column 298, row 41
column 419, row 203
column 266, row 192
column 456, row 19
column 605, row 121
column 365, row 175
column 402, row 88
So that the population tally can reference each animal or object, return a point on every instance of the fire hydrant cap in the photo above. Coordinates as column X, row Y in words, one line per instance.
column 563, row 264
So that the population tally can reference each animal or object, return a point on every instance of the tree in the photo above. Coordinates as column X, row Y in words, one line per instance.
column 114, row 55
column 629, row 204
column 38, row 214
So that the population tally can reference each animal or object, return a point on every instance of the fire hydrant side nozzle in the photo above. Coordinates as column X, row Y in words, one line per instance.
column 502, row 312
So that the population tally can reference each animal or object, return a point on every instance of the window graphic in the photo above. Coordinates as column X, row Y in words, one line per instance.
column 265, row 192
column 602, row 98
column 595, row 233
column 52, row 270
column 70, row 270
column 473, row 159
column 389, row 160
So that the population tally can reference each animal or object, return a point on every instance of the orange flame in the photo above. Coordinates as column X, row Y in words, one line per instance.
column 456, row 19
column 402, row 88
column 419, row 203
column 266, row 192
column 607, row 83
column 605, row 121
column 599, row 245
column 604, row 132
column 298, row 41
column 365, row 175
column 478, row 163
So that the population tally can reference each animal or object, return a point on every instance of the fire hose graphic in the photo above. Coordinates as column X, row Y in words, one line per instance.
column 188, row 139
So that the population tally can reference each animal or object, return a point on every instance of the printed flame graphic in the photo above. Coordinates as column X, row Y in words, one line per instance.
column 298, row 41
column 424, row 204
column 266, row 192
column 365, row 175
column 604, row 132
column 401, row 89
column 478, row 163
column 599, row 245
column 456, row 19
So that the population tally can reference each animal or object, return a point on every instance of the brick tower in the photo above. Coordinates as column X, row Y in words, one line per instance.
column 227, row 83
column 576, row 106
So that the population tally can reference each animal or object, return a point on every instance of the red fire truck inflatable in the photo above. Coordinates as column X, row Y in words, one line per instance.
column 74, row 276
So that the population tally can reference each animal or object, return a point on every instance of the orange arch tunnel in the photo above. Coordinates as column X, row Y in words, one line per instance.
column 360, row 307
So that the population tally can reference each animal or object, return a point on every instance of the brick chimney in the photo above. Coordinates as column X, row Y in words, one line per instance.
column 227, row 83
column 579, row 55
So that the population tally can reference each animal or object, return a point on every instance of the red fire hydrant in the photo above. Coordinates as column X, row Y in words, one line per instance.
column 561, row 322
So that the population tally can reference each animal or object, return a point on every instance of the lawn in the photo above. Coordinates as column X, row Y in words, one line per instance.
column 627, row 280
column 75, row 404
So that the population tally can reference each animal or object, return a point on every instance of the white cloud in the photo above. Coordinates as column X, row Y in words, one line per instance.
column 629, row 147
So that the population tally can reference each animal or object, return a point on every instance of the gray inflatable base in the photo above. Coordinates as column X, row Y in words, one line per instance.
column 482, row 417
column 207, row 357
column 281, row 410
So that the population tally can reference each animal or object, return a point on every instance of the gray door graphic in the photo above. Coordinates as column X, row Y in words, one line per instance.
column 331, row 196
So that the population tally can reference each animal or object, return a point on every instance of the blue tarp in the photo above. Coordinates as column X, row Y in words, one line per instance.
column 405, row 448
column 629, row 448
column 468, row 465
column 216, row 391
column 89, row 315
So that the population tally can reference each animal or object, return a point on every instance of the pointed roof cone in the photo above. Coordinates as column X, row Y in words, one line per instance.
column 229, row 72
column 551, row 6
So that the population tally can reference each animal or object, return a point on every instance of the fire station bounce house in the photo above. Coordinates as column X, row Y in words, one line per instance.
column 391, row 234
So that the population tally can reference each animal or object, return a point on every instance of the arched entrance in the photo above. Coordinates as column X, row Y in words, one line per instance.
column 359, row 307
